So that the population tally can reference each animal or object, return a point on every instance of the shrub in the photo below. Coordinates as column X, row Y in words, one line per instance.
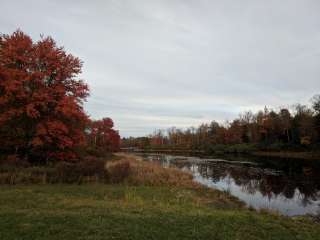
column 67, row 172
column 91, row 166
column 119, row 171
column 95, row 152
column 13, row 161
column 89, row 169
column 245, row 148
column 217, row 149
column 28, row 175
column 236, row 148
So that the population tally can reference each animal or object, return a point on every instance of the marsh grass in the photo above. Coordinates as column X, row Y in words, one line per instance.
column 85, row 171
column 122, row 168
column 132, row 170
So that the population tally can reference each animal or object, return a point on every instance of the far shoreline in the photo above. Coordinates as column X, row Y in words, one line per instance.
column 289, row 154
column 304, row 155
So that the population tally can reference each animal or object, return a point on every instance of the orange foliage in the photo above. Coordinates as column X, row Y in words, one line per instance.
column 41, row 111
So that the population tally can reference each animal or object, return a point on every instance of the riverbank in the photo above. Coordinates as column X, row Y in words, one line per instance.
column 287, row 154
column 148, row 202
column 100, row 211
column 307, row 155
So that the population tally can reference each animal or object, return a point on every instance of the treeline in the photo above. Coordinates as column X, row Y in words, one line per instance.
column 42, row 119
column 298, row 129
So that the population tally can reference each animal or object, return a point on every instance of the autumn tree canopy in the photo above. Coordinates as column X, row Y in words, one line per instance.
column 102, row 136
column 298, row 129
column 41, row 99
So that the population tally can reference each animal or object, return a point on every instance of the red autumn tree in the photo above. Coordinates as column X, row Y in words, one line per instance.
column 41, row 99
column 102, row 136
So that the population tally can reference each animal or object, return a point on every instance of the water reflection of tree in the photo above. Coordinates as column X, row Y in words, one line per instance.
column 268, row 182
column 294, row 179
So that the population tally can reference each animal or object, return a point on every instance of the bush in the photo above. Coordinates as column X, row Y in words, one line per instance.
column 94, row 152
column 13, row 161
column 89, row 169
column 280, row 146
column 28, row 175
column 316, row 147
column 236, row 148
column 92, row 166
column 217, row 149
column 245, row 148
column 119, row 171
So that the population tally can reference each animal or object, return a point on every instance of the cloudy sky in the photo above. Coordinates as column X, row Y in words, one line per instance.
column 160, row 63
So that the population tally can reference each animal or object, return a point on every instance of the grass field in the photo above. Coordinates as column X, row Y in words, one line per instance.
column 101, row 211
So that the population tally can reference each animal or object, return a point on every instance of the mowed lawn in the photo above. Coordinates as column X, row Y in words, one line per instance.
column 99, row 211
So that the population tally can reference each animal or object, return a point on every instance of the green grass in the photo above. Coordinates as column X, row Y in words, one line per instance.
column 97, row 211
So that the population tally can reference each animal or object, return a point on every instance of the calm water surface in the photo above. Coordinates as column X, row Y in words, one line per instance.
column 291, row 187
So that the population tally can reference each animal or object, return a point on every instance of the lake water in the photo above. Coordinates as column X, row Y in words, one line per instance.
column 289, row 186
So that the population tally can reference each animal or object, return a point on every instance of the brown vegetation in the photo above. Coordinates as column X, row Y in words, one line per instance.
column 122, row 168
column 132, row 170
column 87, row 170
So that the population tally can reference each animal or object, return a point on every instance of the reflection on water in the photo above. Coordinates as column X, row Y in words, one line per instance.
column 291, row 187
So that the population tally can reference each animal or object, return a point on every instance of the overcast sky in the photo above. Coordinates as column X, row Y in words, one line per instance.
column 156, row 63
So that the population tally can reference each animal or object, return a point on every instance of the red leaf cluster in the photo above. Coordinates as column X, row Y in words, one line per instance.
column 41, row 100
column 102, row 136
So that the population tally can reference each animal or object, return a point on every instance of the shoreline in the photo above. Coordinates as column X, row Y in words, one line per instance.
column 289, row 155
column 151, row 202
column 280, row 154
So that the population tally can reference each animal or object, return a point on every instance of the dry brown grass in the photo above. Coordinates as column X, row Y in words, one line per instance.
column 89, row 170
column 139, row 172
column 132, row 170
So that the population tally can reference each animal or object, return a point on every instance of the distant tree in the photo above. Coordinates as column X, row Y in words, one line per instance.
column 266, row 129
column 213, row 132
column 316, row 103
column 304, row 124
column 285, row 121
column 316, row 107
column 235, row 132
column 41, row 98
column 246, row 120
column 158, row 138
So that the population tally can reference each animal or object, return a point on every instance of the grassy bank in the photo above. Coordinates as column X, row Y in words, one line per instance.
column 141, row 201
column 98, row 211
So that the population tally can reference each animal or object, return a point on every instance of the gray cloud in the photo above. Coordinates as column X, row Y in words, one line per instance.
column 161, row 63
